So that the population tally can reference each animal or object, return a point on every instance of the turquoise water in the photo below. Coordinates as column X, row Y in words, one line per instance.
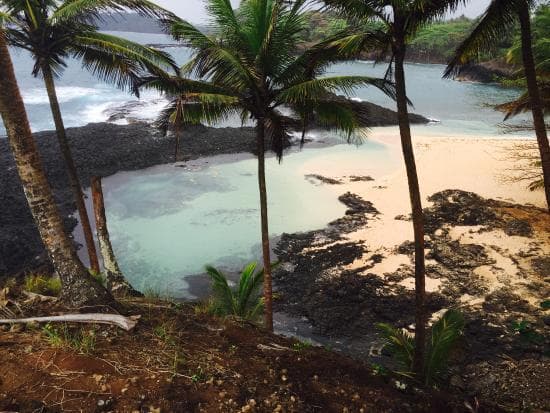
column 167, row 222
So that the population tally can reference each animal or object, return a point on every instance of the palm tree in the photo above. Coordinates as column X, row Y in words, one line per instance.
column 52, row 31
column 498, row 19
column 250, row 65
column 79, row 289
column 397, row 23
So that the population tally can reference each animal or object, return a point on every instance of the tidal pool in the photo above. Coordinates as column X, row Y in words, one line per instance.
column 169, row 221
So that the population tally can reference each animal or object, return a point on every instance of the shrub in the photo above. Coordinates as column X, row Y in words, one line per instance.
column 243, row 300
column 445, row 332
column 81, row 341
column 99, row 277
column 42, row 284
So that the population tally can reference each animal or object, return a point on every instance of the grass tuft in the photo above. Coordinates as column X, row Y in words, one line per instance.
column 42, row 284
column 79, row 340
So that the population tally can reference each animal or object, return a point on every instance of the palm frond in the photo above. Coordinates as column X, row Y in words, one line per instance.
column 424, row 12
column 196, row 108
column 342, row 116
column 495, row 23
column 399, row 343
column 222, row 292
column 243, row 300
column 173, row 85
column 119, row 61
column 276, row 132
column 5, row 19
column 523, row 103
column 536, row 185
column 89, row 10
column 212, row 60
column 317, row 89
column 249, row 284
column 445, row 333
column 339, row 47
column 359, row 9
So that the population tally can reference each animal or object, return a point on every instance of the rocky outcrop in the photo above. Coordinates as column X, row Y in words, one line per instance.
column 486, row 72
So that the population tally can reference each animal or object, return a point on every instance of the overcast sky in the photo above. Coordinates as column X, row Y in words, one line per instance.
column 193, row 10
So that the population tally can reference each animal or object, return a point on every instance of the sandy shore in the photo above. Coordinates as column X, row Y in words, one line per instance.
column 481, row 165
column 484, row 166
column 486, row 254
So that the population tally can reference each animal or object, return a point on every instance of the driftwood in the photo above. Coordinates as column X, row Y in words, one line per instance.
column 272, row 347
column 126, row 323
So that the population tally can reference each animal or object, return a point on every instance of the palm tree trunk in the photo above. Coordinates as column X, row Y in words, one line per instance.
column 534, row 95
column 79, row 289
column 266, row 251
column 417, row 214
column 71, row 168
column 116, row 282
column 177, row 148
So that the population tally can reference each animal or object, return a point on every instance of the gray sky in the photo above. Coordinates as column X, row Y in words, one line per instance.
column 193, row 10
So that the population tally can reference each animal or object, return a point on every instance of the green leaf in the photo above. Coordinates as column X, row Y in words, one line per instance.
column 444, row 335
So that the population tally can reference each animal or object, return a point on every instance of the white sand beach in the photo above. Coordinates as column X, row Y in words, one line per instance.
column 480, row 165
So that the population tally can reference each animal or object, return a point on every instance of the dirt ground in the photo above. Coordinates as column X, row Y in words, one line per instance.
column 179, row 360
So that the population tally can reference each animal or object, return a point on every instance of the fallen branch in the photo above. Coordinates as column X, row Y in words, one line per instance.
column 126, row 323
column 272, row 347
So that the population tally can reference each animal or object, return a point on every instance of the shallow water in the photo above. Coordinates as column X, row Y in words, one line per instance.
column 168, row 222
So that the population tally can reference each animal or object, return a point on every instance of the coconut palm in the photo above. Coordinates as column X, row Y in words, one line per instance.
column 397, row 23
column 79, row 289
column 54, row 31
column 541, row 51
column 244, row 299
column 497, row 20
column 250, row 65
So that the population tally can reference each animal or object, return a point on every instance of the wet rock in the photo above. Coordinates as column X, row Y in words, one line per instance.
column 453, row 254
column 357, row 205
column 542, row 266
column 322, row 179
column 480, row 74
column 518, row 227
column 456, row 207
column 357, row 215
column 505, row 300
column 355, row 178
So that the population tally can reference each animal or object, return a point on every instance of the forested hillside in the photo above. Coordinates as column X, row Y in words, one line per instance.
column 433, row 44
